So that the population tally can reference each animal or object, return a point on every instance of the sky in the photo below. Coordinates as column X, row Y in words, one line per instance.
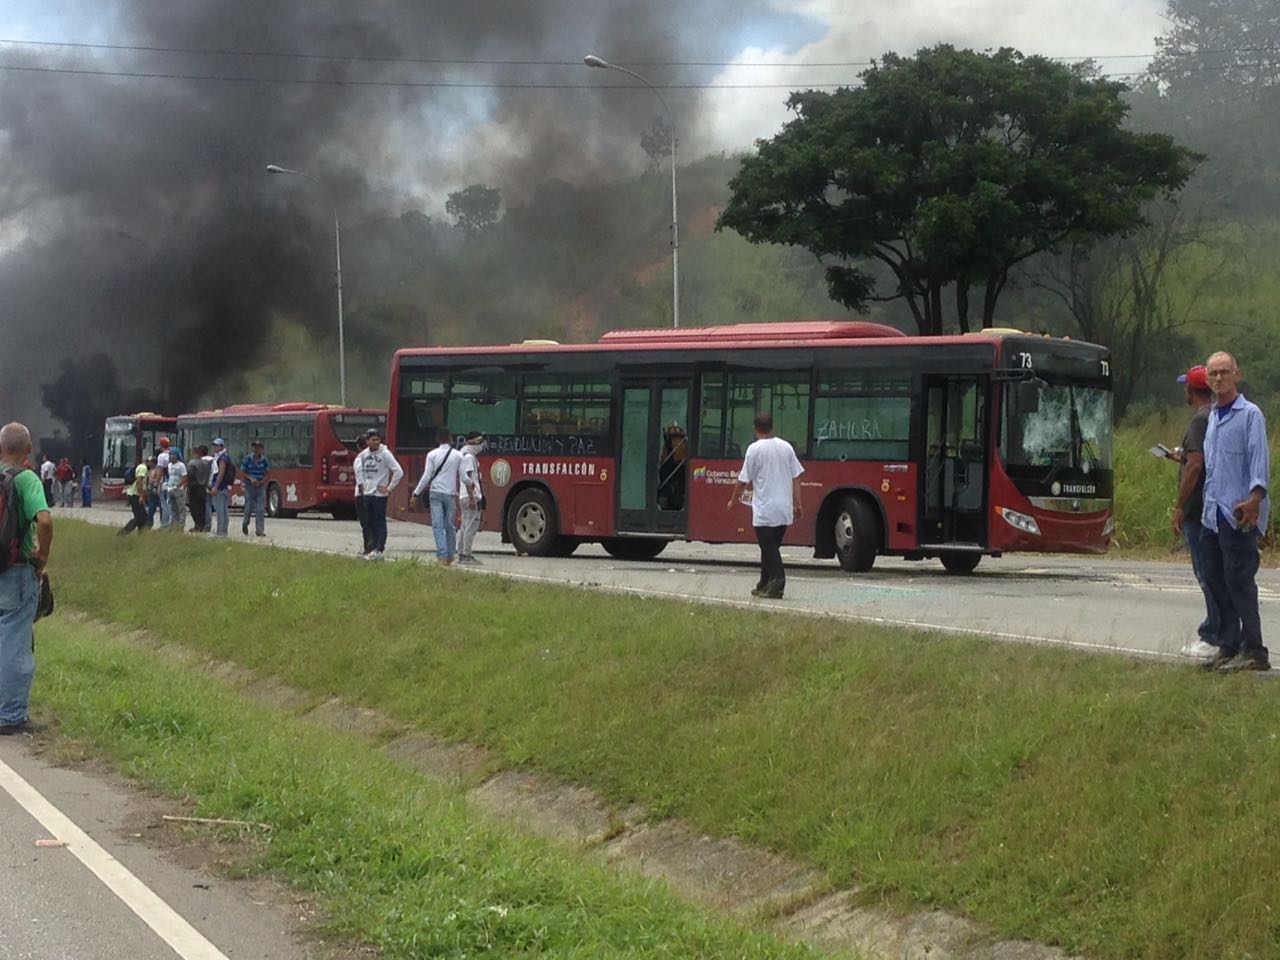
column 136, row 216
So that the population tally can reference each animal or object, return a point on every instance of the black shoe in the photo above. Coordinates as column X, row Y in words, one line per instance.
column 26, row 726
column 245, row 531
column 758, row 590
column 1244, row 661
column 774, row 590
column 1219, row 659
column 261, row 533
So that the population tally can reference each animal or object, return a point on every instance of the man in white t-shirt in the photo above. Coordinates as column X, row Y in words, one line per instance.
column 772, row 471
column 441, row 477
column 175, row 491
column 470, row 497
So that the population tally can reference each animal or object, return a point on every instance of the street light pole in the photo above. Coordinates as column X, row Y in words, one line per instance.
column 337, row 249
column 602, row 64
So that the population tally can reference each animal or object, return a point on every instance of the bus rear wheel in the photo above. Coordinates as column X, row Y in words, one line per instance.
column 856, row 535
column 531, row 523
column 627, row 548
column 274, row 508
column 960, row 563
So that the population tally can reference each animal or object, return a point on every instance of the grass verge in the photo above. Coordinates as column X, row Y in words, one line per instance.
column 1116, row 807
column 398, row 862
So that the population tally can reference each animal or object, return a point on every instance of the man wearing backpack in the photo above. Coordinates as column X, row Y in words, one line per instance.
column 26, row 532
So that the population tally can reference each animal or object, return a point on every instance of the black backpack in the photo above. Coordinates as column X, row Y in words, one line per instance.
column 13, row 531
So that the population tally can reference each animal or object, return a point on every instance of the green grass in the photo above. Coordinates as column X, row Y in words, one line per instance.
column 1116, row 807
column 1146, row 487
column 398, row 862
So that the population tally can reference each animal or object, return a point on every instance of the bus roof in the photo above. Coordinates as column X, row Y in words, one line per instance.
column 740, row 335
column 275, row 409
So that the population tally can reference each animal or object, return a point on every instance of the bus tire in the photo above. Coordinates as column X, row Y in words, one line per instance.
column 857, row 535
column 628, row 548
column 274, row 508
column 960, row 564
column 531, row 522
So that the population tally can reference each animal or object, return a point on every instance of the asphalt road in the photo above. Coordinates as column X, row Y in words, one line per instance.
column 1087, row 602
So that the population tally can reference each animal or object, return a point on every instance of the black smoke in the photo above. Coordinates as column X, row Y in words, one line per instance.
column 140, row 234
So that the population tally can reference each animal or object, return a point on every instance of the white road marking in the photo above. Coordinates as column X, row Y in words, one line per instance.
column 185, row 939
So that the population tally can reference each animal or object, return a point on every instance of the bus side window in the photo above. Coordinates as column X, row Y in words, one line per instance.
column 711, row 416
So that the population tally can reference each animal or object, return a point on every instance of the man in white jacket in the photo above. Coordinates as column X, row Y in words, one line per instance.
column 377, row 473
column 471, row 496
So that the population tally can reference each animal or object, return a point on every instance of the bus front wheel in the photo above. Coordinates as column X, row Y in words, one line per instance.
column 960, row 563
column 531, row 523
column 856, row 535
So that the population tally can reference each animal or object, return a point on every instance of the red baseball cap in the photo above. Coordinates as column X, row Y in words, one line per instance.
column 1195, row 378
column 164, row 441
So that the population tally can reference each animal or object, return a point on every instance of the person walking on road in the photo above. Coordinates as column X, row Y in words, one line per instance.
column 162, row 503
column 470, row 497
column 221, row 476
column 1237, row 469
column 47, row 470
column 136, row 493
column 198, row 472
column 86, row 485
column 377, row 474
column 253, row 474
column 155, row 491
column 440, row 481
column 772, row 471
column 21, row 582
column 175, row 492
column 1188, row 505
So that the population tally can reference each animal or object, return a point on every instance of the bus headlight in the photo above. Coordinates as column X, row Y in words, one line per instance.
column 1020, row 521
column 1109, row 527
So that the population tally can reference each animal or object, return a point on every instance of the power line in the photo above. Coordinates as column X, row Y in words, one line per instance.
column 453, row 61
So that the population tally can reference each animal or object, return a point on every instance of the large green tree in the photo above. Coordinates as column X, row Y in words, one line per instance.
column 950, row 168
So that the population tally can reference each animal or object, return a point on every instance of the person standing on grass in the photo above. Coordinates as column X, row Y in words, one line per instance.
column 198, row 471
column 175, row 492
column 47, row 470
column 470, row 497
column 1237, row 469
column 772, row 471
column 1188, row 504
column 221, row 476
column 377, row 474
column 253, row 474
column 86, row 485
column 136, row 493
column 440, row 481
column 20, row 582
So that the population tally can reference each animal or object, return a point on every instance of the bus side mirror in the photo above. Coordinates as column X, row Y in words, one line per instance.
column 1029, row 396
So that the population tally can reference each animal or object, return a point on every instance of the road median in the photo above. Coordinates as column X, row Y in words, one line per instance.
column 1109, row 806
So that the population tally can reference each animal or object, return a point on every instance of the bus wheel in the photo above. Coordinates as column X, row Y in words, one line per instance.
column 627, row 548
column 531, row 522
column 273, row 501
column 960, row 563
column 856, row 535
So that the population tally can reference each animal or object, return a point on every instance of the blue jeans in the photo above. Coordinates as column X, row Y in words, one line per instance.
column 153, row 506
column 1192, row 531
column 1230, row 564
column 255, row 505
column 220, row 498
column 19, row 595
column 86, row 495
column 443, row 510
column 375, row 521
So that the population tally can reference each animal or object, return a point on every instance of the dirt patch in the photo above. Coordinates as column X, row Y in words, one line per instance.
column 460, row 762
column 557, row 810
column 337, row 715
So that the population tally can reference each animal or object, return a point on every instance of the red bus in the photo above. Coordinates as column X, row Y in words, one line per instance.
column 128, row 440
column 311, row 447
column 951, row 447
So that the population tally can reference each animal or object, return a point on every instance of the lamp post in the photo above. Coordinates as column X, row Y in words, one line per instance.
column 337, row 248
column 599, row 63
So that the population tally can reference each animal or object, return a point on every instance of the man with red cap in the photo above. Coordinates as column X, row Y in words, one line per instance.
column 1189, row 504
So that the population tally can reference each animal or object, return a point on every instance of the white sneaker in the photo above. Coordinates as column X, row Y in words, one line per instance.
column 376, row 555
column 1198, row 649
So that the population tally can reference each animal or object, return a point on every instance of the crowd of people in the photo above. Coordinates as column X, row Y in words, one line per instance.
column 61, row 484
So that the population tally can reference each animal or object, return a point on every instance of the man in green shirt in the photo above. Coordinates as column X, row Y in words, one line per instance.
column 136, row 493
column 20, row 584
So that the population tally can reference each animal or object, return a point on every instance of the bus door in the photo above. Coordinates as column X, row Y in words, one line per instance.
column 653, row 456
column 953, row 479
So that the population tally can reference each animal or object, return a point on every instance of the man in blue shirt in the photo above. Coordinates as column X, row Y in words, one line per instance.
column 253, row 474
column 1236, row 473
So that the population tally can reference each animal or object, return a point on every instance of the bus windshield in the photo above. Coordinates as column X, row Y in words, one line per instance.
column 118, row 445
column 1057, row 426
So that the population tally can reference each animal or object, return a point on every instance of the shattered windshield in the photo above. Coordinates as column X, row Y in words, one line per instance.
column 1057, row 425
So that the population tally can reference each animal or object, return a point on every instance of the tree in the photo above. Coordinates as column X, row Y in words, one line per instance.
column 1117, row 292
column 951, row 168
column 475, row 208
column 656, row 143
column 1223, row 44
